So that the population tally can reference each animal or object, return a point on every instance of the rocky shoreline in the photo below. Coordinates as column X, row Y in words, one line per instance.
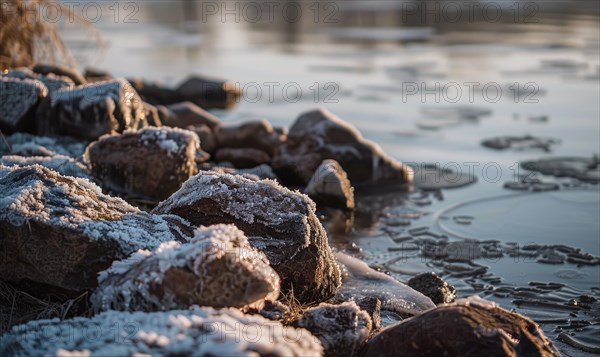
column 189, row 236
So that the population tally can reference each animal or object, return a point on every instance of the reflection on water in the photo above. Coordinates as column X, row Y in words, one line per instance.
column 428, row 81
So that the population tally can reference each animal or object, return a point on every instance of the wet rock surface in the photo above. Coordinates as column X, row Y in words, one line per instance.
column 320, row 135
column 581, row 168
column 69, row 231
column 89, row 111
column 434, row 287
column 278, row 222
column 330, row 186
column 469, row 327
column 342, row 329
column 197, row 331
column 152, row 162
column 19, row 99
column 434, row 177
column 217, row 268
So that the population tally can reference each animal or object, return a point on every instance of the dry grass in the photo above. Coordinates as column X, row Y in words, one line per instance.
column 17, row 307
column 296, row 308
column 27, row 37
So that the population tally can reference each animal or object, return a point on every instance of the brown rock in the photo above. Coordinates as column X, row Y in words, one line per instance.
column 278, row 222
column 371, row 306
column 73, row 74
column 206, row 135
column 217, row 268
column 431, row 285
column 319, row 135
column 185, row 114
column 257, row 134
column 57, row 232
column 470, row 327
column 152, row 162
column 342, row 329
column 210, row 93
column 330, row 186
column 19, row 98
column 96, row 75
column 155, row 93
column 152, row 116
column 242, row 158
column 92, row 110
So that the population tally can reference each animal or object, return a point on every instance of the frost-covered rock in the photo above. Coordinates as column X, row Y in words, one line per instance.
column 242, row 158
column 217, row 267
column 19, row 98
column 152, row 162
column 330, row 185
column 279, row 222
column 60, row 231
column 64, row 165
column 342, row 329
column 5, row 170
column 24, row 144
column 256, row 134
column 184, row 114
column 431, row 285
column 469, row 327
column 320, row 135
column 91, row 110
column 194, row 332
column 371, row 306
column 52, row 81
column 360, row 281
column 263, row 171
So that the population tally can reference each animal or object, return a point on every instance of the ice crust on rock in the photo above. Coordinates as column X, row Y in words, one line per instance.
column 69, row 230
column 194, row 332
column 24, row 144
column 279, row 222
column 342, row 328
column 64, row 165
column 217, row 267
column 359, row 281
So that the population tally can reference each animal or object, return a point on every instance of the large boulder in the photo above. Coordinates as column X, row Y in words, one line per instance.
column 218, row 268
column 470, row 327
column 319, row 135
column 256, row 134
column 330, row 186
column 152, row 162
column 89, row 111
column 191, row 332
column 19, row 98
column 342, row 329
column 57, row 232
column 279, row 222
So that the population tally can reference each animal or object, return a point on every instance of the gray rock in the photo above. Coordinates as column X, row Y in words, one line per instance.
column 320, row 135
column 57, row 232
column 278, row 222
column 92, row 110
column 342, row 329
column 19, row 98
column 189, row 332
column 64, row 165
column 431, row 285
column 52, row 81
column 256, row 134
column 152, row 162
column 331, row 187
column 217, row 268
